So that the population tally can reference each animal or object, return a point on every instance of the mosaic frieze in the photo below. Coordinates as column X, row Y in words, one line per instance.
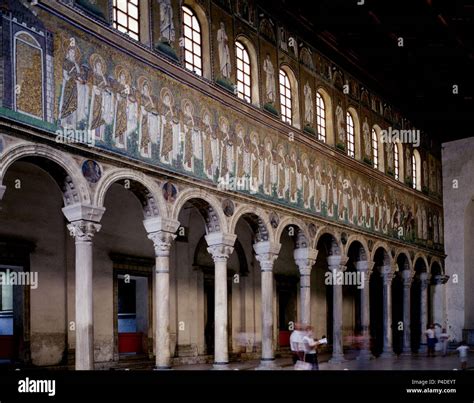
column 131, row 109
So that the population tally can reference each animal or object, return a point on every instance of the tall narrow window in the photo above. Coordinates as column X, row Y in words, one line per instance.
column 414, row 171
column 126, row 17
column 375, row 149
column 192, row 41
column 350, row 135
column 285, row 98
column 396, row 162
column 244, row 78
column 321, row 117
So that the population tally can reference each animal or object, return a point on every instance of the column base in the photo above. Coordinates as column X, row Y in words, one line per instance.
column 161, row 368
column 365, row 355
column 423, row 348
column 387, row 354
column 406, row 352
column 220, row 366
column 267, row 365
column 337, row 359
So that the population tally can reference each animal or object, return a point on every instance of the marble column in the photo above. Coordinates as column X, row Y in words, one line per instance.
column 266, row 253
column 162, row 231
column 387, row 276
column 220, row 247
column 423, row 310
column 438, row 299
column 336, row 265
column 2, row 190
column 407, row 278
column 364, row 267
column 305, row 259
column 83, row 225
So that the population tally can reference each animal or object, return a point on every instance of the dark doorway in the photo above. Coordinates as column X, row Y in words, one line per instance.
column 133, row 312
column 287, row 309
column 209, row 313
column 13, row 296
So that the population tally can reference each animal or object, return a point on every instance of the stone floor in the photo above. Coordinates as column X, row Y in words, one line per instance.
column 415, row 362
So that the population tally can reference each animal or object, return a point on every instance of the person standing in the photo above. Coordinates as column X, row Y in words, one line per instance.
column 296, row 343
column 463, row 350
column 444, row 338
column 310, row 349
column 430, row 340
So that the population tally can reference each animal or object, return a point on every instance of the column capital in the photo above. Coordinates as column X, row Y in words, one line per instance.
column 439, row 279
column 266, row 253
column 407, row 278
column 221, row 245
column 83, row 230
column 364, row 265
column 157, row 224
column 85, row 212
column 424, row 280
column 305, row 258
column 162, row 241
column 386, row 273
column 337, row 262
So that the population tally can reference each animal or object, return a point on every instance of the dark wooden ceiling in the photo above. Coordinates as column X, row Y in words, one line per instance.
column 417, row 78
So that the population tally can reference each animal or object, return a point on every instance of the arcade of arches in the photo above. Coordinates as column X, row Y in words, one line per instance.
column 219, row 282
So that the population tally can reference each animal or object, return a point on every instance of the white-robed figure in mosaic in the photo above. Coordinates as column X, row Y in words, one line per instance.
column 207, row 153
column 226, row 166
column 319, row 188
column 224, row 53
column 239, row 152
column 307, row 185
column 101, row 109
column 293, row 177
column 192, row 144
column 167, row 30
column 73, row 100
column 256, row 167
column 169, row 144
column 340, row 125
column 247, row 159
column 149, row 123
column 308, row 104
column 267, row 171
column 122, row 91
column 269, row 79
column 282, row 172
column 370, row 210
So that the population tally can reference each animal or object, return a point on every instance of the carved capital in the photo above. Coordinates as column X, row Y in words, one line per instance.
column 83, row 231
column 161, row 224
column 424, row 281
column 337, row 262
column 407, row 278
column 387, row 274
column 221, row 245
column 220, row 252
column 162, row 241
column 266, row 253
column 305, row 259
column 437, row 279
column 79, row 212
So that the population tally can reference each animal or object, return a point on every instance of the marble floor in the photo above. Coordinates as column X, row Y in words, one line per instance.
column 414, row 362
